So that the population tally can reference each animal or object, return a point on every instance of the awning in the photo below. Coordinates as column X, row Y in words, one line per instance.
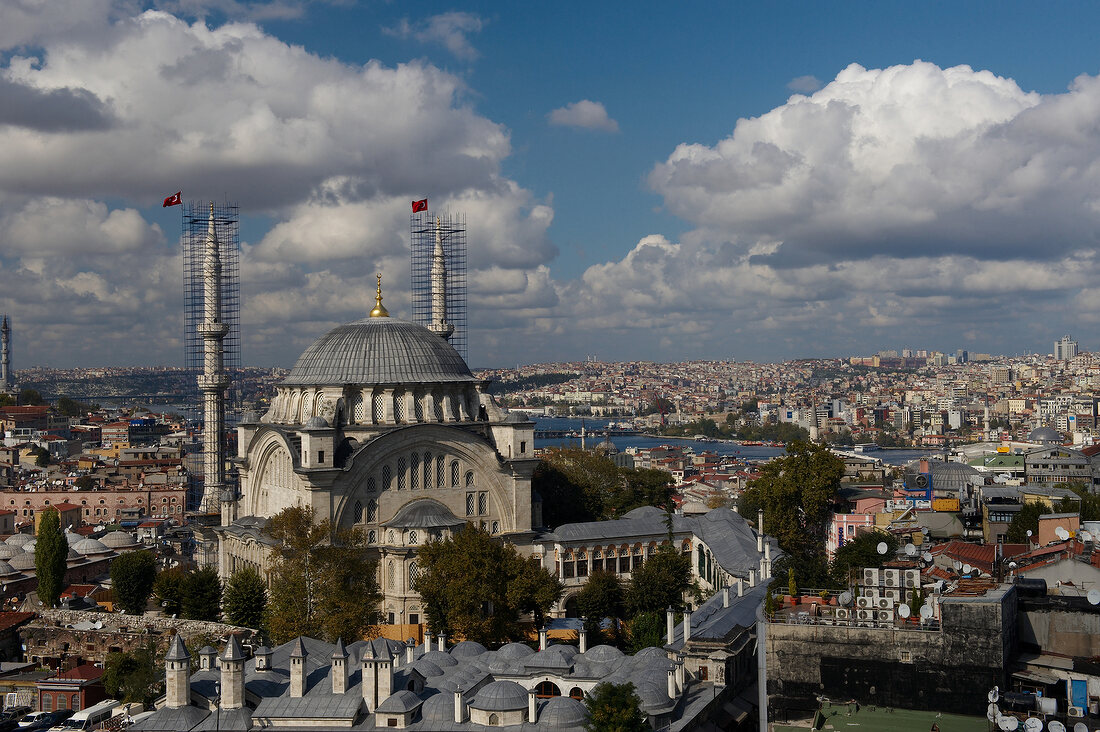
column 1035, row 677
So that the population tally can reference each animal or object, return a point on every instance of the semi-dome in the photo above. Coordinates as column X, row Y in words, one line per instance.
column 379, row 350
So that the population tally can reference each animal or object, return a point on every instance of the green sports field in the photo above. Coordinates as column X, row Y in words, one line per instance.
column 844, row 717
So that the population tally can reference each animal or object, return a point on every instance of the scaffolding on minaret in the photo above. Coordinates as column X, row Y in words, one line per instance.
column 438, row 268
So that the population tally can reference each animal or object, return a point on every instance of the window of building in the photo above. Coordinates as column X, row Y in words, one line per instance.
column 47, row 702
column 372, row 537
column 576, row 693
column 522, row 446
column 414, row 482
column 391, row 721
column 547, row 690
column 76, row 702
column 372, row 511
column 494, row 720
column 414, row 575
column 906, row 656
column 469, row 479
column 454, row 474
column 401, row 474
column 320, row 456
column 496, row 527
column 482, row 503
column 412, row 538
column 414, row 618
column 427, row 471
column 469, row 504
column 357, row 514
column 62, row 702
column 440, row 472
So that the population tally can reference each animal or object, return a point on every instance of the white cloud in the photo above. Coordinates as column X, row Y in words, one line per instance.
column 450, row 30
column 586, row 114
column 804, row 84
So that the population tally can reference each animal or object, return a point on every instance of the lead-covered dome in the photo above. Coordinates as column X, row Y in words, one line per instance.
column 379, row 350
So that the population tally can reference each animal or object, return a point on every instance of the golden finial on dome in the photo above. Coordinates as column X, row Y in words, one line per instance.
column 379, row 311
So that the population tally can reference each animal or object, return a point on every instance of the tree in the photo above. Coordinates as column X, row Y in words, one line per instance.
column 660, row 582
column 72, row 408
column 797, row 493
column 168, row 590
column 614, row 708
column 31, row 398
column 647, row 630
column 476, row 586
column 601, row 597
column 792, row 586
column 244, row 599
column 1026, row 519
column 132, row 577
column 85, row 483
column 50, row 553
column 577, row 485
column 323, row 582
column 133, row 677
column 202, row 594
column 41, row 457
column 860, row 552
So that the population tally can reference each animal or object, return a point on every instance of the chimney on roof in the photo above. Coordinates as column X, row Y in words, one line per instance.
column 582, row 635
column 369, row 674
column 441, row 640
column 298, row 669
column 339, row 668
column 532, row 706
column 460, row 706
column 410, row 649
column 759, row 530
column 725, row 597
column 542, row 638
column 177, row 670
column 232, row 675
column 670, row 625
column 687, row 624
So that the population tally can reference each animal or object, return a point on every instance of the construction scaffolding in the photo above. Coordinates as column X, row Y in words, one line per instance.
column 451, row 228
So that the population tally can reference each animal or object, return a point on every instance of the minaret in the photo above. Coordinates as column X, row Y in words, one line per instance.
column 439, row 325
column 6, row 385
column 213, row 380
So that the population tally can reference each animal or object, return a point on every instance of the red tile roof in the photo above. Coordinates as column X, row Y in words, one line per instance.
column 11, row 619
column 83, row 672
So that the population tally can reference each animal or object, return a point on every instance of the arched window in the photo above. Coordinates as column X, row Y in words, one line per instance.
column 412, row 538
column 576, row 693
column 414, row 573
column 418, row 407
column 427, row 471
column 387, row 478
column 547, row 690
column 391, row 538
column 372, row 537
column 359, row 409
column 454, row 474
column 47, row 702
column 392, row 572
column 482, row 504
column 414, row 477
column 469, row 504
column 76, row 702
column 496, row 527
column 378, row 409
column 372, row 511
column 372, row 484
column 469, row 478
column 494, row 720
column 399, row 407
column 358, row 513
column 440, row 473
column 62, row 701
column 400, row 473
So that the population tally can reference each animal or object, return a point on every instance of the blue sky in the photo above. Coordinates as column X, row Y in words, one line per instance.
column 641, row 181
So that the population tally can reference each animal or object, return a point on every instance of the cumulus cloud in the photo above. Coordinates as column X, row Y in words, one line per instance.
column 121, row 108
column 450, row 30
column 585, row 114
column 804, row 84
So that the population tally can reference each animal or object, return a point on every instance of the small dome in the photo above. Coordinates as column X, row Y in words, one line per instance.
column 73, row 555
column 7, row 551
column 23, row 562
column 467, row 649
column 73, row 538
column 379, row 351
column 1044, row 435
column 30, row 545
column 511, row 651
column 563, row 712
column 439, row 708
column 603, row 654
column 427, row 669
column 6, row 569
column 440, row 658
column 18, row 539
column 651, row 652
column 118, row 540
column 90, row 546
column 317, row 422
column 400, row 702
column 500, row 696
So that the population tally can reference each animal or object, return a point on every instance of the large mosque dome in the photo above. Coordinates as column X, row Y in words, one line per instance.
column 379, row 350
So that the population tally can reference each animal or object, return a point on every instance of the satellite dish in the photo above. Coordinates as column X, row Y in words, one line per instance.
column 1029, row 532
column 967, row 569
column 1056, row 726
column 1008, row 723
column 882, row 547
column 911, row 550
column 927, row 556
column 991, row 712
column 1080, row 727
column 993, row 695
column 903, row 611
column 1061, row 533
column 1093, row 597
column 1031, row 724
column 845, row 598
column 1084, row 536
column 926, row 612
column 957, row 564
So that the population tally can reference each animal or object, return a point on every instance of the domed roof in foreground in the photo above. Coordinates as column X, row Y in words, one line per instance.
column 1044, row 434
column 378, row 350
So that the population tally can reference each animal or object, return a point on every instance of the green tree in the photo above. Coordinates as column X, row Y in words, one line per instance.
column 72, row 408
column 244, row 599
column 601, row 597
column 476, row 586
column 169, row 588
column 202, row 594
column 660, row 582
column 85, row 483
column 861, row 552
column 792, row 586
column 1026, row 519
column 647, row 630
column 614, row 708
column 798, row 493
column 132, row 577
column 51, row 550
column 31, row 398
column 322, row 579
column 133, row 677
column 41, row 457
column 1090, row 502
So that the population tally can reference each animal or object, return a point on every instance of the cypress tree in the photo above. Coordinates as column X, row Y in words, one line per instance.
column 50, row 551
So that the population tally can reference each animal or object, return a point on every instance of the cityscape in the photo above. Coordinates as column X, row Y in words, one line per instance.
column 694, row 367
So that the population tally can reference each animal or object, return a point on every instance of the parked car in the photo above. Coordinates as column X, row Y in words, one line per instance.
column 15, row 713
column 43, row 720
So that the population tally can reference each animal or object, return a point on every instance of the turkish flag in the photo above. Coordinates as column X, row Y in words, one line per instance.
column 173, row 200
column 419, row 206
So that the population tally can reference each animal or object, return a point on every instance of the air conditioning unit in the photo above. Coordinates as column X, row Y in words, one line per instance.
column 891, row 577
column 870, row 578
column 885, row 603
column 894, row 595
column 912, row 578
column 865, row 615
column 1075, row 712
column 865, row 602
column 885, row 616
column 871, row 592
column 842, row 613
